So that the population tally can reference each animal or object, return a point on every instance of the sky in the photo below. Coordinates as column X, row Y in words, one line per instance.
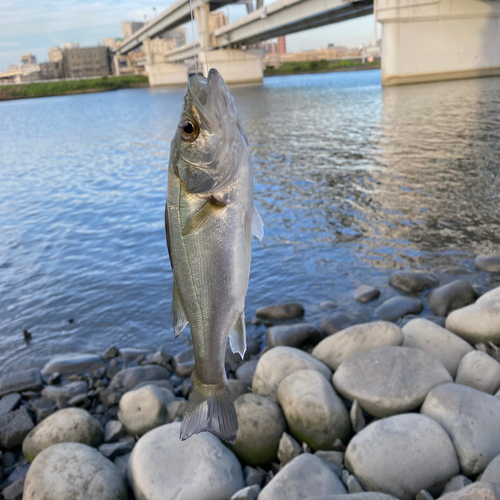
column 36, row 25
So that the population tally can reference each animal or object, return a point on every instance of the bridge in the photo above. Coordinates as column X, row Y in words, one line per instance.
column 422, row 40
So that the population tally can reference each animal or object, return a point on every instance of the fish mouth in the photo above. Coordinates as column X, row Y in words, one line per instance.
column 204, row 90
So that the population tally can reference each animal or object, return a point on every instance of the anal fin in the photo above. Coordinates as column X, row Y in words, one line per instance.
column 237, row 338
column 178, row 316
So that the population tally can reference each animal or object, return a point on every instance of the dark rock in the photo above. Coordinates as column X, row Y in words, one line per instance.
column 295, row 335
column 281, row 311
column 108, row 397
column 22, row 381
column 413, row 282
column 43, row 407
column 14, row 491
column 79, row 401
column 454, row 295
column 186, row 387
column 8, row 459
column 397, row 307
column 183, row 362
column 129, row 378
column 131, row 354
column 161, row 358
column 254, row 475
column 366, row 293
column 14, row 426
column 328, row 304
column 111, row 352
column 72, row 363
column 490, row 263
column 61, row 394
column 113, row 431
column 246, row 372
column 114, row 450
column 176, row 409
column 9, row 402
column 237, row 388
column 341, row 320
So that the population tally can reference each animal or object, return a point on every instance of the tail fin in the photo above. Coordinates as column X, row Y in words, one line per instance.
column 210, row 408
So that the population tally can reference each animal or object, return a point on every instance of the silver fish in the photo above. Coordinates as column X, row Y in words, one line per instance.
column 210, row 217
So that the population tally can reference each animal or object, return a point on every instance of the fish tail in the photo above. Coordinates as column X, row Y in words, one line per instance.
column 210, row 408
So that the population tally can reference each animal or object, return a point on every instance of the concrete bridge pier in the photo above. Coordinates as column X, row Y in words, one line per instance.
column 235, row 66
column 432, row 40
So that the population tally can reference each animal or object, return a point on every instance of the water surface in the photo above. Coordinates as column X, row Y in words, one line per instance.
column 352, row 180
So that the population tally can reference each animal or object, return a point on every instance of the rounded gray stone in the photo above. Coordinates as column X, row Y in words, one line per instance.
column 366, row 293
column 358, row 338
column 479, row 322
column 69, row 425
column 476, row 491
column 313, row 411
column 131, row 377
column 491, row 295
column 367, row 495
column 340, row 321
column 451, row 296
column 490, row 263
column 389, row 380
column 72, row 363
column 402, row 455
column 73, row 471
column 261, row 424
column 275, row 364
column 471, row 418
column 480, row 371
column 413, row 281
column 438, row 341
column 162, row 466
column 304, row 477
column 246, row 372
column 492, row 472
column 281, row 311
column 295, row 335
column 397, row 307
column 144, row 409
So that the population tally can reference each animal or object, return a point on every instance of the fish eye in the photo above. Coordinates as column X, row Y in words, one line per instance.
column 189, row 130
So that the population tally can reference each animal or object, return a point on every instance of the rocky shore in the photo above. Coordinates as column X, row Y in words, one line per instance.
column 401, row 404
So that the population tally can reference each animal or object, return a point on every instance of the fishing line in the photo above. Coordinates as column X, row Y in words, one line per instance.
column 203, row 37
column 192, row 29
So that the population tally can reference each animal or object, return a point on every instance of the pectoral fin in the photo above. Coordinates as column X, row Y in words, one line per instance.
column 199, row 219
column 178, row 316
column 237, row 338
column 257, row 224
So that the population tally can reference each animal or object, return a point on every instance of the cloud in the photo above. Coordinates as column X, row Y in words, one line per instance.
column 9, row 44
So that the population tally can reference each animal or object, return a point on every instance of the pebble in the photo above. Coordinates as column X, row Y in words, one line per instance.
column 113, row 431
column 176, row 409
column 163, row 466
column 288, row 449
column 14, row 426
column 454, row 295
column 129, row 378
column 111, row 352
column 14, row 491
column 492, row 472
column 279, row 362
column 490, row 263
column 144, row 409
column 389, row 380
column 247, row 493
column 296, row 335
column 402, row 455
column 367, row 495
column 122, row 447
column 313, row 410
column 61, row 394
column 340, row 321
column 121, row 463
column 72, row 363
column 19, row 382
column 331, row 457
column 471, row 418
column 413, row 281
column 479, row 322
column 261, row 425
column 254, row 475
column 366, row 293
column 69, row 425
column 397, row 307
column 281, row 311
column 183, row 362
column 436, row 340
column 424, row 495
column 480, row 371
column 73, row 471
column 353, row 485
column 80, row 401
column 475, row 491
column 304, row 477
column 164, row 383
column 161, row 358
column 358, row 338
column 246, row 372
column 9, row 402
column 358, row 422
column 237, row 388
column 456, row 483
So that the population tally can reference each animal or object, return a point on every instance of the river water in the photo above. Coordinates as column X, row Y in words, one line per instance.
column 352, row 180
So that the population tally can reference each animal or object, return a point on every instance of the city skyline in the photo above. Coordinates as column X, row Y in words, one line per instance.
column 37, row 26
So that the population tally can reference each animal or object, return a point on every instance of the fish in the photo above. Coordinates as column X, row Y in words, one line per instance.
column 210, row 218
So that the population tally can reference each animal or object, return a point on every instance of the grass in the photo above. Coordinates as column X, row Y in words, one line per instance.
column 293, row 68
column 44, row 89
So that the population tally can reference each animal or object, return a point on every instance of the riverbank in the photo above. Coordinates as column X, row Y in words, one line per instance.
column 70, row 87
column 107, row 425
column 323, row 66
